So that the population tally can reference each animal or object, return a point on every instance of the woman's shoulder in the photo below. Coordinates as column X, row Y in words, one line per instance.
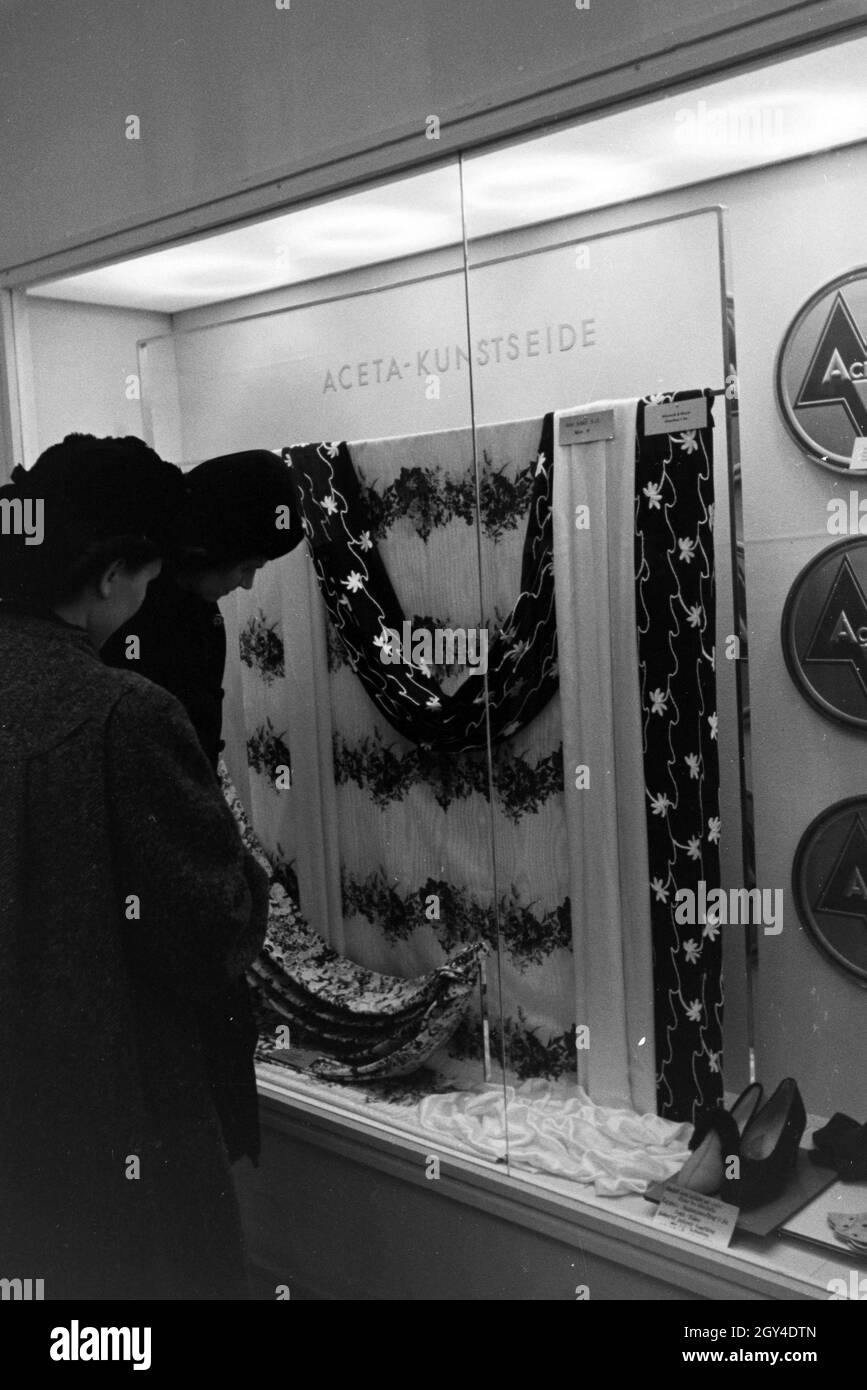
column 150, row 722
column 66, row 692
column 138, row 701
column 111, row 698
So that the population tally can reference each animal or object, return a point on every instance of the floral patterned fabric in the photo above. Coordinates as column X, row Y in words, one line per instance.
column 390, row 845
column 366, row 613
column 370, row 1025
column 387, row 845
column 675, row 599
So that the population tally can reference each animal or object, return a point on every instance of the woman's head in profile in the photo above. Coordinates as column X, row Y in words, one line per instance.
column 83, row 532
column 239, row 512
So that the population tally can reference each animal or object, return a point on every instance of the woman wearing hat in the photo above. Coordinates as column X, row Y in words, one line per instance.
column 238, row 513
column 127, row 902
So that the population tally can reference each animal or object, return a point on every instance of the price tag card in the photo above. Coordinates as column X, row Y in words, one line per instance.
column 694, row 1216
column 586, row 428
column 673, row 417
column 859, row 454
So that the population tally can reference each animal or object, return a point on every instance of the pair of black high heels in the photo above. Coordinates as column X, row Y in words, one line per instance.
column 746, row 1155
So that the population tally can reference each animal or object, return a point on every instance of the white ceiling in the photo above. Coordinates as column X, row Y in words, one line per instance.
column 796, row 107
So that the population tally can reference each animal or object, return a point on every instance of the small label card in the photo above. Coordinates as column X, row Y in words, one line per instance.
column 696, row 1217
column 673, row 417
column 587, row 428
column 859, row 454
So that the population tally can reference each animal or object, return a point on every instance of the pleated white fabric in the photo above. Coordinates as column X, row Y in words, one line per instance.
column 310, row 729
column 298, row 824
column 594, row 569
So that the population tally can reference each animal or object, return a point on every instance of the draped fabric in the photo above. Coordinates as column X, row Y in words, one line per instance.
column 560, row 1130
column 429, row 859
column 675, row 601
column 602, row 753
column 388, row 845
column 368, row 617
column 396, row 845
column 368, row 1025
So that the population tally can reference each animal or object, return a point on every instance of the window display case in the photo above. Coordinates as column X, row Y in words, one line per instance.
column 491, row 725
column 424, row 807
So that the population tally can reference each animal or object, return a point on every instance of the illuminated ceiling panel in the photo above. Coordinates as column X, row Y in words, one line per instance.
column 797, row 107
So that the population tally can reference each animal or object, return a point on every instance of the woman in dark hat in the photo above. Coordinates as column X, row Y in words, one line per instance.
column 127, row 902
column 238, row 513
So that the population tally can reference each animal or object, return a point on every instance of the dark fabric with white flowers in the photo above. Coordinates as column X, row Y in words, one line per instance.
column 363, row 606
column 676, row 614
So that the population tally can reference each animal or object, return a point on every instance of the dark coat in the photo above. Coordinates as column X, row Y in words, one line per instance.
column 182, row 647
column 114, row 1179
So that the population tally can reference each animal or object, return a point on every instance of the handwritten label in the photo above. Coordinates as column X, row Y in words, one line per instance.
column 694, row 1216
column 859, row 454
column 673, row 417
column 587, row 428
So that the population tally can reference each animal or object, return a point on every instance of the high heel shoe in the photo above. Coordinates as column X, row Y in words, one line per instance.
column 715, row 1139
column 768, row 1149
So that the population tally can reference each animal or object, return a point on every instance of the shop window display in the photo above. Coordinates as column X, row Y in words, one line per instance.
column 484, row 910
column 487, row 726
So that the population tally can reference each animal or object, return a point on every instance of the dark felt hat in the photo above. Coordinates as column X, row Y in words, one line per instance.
column 89, row 494
column 237, row 506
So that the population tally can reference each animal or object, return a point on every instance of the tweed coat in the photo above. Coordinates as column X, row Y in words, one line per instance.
column 182, row 647
column 126, row 902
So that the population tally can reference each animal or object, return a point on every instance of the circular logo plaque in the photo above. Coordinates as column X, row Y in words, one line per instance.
column 821, row 372
column 824, row 632
column 829, row 881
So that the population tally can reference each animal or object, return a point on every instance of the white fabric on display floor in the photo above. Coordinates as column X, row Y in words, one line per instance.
column 553, row 1127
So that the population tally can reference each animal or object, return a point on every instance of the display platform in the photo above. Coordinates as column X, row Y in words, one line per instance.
column 309, row 1131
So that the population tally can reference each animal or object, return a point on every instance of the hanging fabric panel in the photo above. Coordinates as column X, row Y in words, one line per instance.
column 603, row 761
column 676, row 604
column 415, row 823
column 278, row 715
